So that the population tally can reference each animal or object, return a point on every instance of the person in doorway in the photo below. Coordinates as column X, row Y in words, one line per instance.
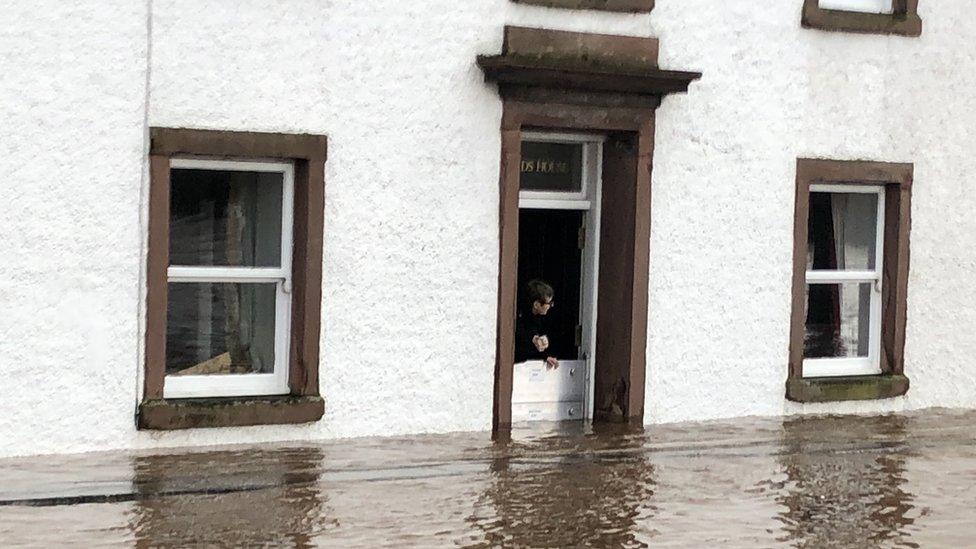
column 531, row 339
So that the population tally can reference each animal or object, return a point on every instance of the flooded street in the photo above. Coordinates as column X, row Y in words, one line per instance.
column 891, row 481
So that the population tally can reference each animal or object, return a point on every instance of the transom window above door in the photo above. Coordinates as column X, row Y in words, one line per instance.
column 552, row 167
column 559, row 170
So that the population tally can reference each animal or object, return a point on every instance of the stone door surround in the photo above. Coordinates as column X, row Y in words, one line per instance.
column 609, row 85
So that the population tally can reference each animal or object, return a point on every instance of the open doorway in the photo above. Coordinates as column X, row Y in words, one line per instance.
column 613, row 194
column 558, row 248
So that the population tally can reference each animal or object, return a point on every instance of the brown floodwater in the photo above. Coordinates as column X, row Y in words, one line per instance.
column 889, row 481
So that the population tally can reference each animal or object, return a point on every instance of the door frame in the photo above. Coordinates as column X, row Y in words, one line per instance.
column 626, row 194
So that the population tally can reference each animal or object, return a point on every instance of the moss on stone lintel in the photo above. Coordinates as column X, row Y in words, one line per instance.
column 200, row 413
column 837, row 389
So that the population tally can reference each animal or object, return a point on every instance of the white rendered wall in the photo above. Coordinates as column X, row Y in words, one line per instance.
column 72, row 109
column 411, row 237
column 723, row 193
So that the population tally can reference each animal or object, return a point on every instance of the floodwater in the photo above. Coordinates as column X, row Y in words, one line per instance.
column 889, row 481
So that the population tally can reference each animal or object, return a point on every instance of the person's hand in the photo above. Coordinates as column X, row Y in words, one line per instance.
column 552, row 363
column 541, row 343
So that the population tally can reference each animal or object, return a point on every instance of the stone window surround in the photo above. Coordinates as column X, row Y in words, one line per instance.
column 625, row 6
column 303, row 404
column 903, row 20
column 897, row 180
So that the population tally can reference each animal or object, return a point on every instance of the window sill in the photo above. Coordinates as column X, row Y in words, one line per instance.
column 173, row 414
column 627, row 6
column 839, row 389
column 902, row 24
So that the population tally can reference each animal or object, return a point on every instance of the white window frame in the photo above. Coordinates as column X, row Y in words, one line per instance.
column 566, row 200
column 859, row 6
column 235, row 385
column 870, row 365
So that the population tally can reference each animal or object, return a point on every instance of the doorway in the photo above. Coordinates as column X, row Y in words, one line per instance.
column 617, row 271
column 558, row 244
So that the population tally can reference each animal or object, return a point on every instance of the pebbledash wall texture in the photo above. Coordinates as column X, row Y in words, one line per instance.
column 411, row 239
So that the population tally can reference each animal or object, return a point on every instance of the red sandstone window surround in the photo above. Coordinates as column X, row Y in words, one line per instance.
column 899, row 17
column 233, row 279
column 850, row 280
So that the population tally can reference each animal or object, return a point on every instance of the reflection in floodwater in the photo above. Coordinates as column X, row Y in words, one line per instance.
column 852, row 498
column 267, row 497
column 892, row 481
column 576, row 493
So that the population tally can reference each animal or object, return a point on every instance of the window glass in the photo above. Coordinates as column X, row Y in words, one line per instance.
column 552, row 167
column 838, row 320
column 220, row 328
column 842, row 231
column 866, row 6
column 225, row 218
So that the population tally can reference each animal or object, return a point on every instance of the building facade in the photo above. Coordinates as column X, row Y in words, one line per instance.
column 258, row 221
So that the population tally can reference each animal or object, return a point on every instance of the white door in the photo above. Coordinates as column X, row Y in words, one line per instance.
column 541, row 393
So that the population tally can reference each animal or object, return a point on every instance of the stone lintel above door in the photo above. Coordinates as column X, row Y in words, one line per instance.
column 623, row 68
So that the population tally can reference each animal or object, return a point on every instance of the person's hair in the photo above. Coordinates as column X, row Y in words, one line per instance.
column 538, row 290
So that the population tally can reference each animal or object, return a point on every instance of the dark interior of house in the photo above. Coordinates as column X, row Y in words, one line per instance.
column 549, row 251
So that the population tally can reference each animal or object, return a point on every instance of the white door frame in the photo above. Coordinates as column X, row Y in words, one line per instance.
column 275, row 383
column 589, row 201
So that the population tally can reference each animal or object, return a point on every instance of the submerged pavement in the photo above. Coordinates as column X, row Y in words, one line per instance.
column 889, row 481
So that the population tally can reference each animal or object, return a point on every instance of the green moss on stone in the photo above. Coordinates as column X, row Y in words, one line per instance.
column 837, row 389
